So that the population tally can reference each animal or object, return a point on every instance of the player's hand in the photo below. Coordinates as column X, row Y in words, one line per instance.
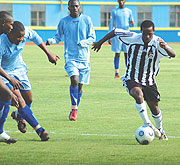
column 162, row 43
column 96, row 46
column 16, row 83
column 53, row 58
column 109, row 42
column 14, row 101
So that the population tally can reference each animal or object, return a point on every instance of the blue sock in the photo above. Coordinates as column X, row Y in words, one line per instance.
column 116, row 63
column 74, row 95
column 79, row 98
column 27, row 114
column 4, row 110
column 39, row 130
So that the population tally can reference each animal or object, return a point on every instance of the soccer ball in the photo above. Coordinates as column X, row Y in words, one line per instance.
column 144, row 135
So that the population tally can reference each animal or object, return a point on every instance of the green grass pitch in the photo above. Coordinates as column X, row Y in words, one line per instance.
column 107, row 119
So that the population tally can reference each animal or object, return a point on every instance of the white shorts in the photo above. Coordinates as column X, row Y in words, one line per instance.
column 118, row 46
column 82, row 69
column 21, row 75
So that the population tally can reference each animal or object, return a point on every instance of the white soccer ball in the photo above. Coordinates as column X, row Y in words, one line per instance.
column 144, row 135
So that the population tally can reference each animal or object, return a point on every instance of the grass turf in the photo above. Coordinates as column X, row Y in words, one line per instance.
column 107, row 119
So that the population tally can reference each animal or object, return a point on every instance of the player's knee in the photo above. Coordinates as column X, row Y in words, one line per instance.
column 6, row 96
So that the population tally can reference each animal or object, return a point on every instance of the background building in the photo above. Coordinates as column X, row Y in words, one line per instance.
column 44, row 15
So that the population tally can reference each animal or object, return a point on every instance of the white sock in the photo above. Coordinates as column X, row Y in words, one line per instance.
column 4, row 135
column 142, row 110
column 158, row 121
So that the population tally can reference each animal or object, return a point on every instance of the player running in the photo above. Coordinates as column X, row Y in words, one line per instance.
column 6, row 96
column 13, row 64
column 145, row 51
column 78, row 34
column 122, row 18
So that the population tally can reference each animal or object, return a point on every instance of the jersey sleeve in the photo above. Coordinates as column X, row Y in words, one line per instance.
column 33, row 36
column 162, row 52
column 111, row 22
column 58, row 37
column 91, row 36
column 124, row 35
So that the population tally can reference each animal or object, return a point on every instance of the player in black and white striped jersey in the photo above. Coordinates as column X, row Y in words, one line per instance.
column 145, row 51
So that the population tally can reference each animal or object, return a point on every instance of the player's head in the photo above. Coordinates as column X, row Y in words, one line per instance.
column 121, row 3
column 6, row 22
column 147, row 29
column 74, row 8
column 17, row 33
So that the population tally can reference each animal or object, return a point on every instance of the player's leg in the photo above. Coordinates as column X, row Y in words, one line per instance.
column 79, row 93
column 28, row 115
column 74, row 97
column 27, row 96
column 124, row 49
column 116, row 47
column 116, row 64
column 157, row 116
column 5, row 101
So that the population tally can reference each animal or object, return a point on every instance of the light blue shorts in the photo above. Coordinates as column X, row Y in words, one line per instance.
column 82, row 69
column 21, row 75
column 118, row 46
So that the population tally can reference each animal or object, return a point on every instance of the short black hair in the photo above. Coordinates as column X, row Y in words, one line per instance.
column 147, row 24
column 17, row 27
column 72, row 1
column 4, row 15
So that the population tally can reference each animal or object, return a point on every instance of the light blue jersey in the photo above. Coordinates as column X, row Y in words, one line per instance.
column 120, row 18
column 78, row 35
column 11, row 58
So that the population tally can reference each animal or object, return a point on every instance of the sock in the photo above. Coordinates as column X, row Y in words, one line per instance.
column 4, row 110
column 74, row 96
column 116, row 63
column 27, row 114
column 79, row 98
column 20, row 114
column 142, row 110
column 158, row 121
column 39, row 130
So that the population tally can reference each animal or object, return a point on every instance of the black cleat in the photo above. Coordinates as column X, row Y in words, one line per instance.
column 44, row 135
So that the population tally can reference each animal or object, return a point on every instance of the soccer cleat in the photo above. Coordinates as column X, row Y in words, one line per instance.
column 163, row 136
column 117, row 76
column 73, row 115
column 6, row 138
column 157, row 133
column 44, row 135
column 22, row 126
column 21, row 123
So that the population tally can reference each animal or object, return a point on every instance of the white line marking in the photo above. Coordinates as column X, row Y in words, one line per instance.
column 87, row 134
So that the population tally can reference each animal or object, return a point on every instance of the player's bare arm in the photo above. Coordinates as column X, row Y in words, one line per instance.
column 97, row 45
column 163, row 45
column 14, row 82
column 51, row 56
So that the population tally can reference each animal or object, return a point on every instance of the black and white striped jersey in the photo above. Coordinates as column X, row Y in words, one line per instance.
column 143, row 60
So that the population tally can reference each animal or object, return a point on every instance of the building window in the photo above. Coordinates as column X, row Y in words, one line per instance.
column 105, row 14
column 6, row 7
column 144, row 12
column 37, row 15
column 174, row 20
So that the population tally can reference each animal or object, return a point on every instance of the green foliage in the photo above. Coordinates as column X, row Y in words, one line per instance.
column 107, row 119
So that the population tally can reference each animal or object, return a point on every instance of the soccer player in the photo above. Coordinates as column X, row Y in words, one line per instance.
column 145, row 51
column 78, row 34
column 13, row 64
column 122, row 18
column 6, row 96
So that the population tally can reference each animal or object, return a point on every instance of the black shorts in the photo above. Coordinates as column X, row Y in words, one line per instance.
column 150, row 92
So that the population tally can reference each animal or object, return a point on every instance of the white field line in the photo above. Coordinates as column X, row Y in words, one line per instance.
column 86, row 134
